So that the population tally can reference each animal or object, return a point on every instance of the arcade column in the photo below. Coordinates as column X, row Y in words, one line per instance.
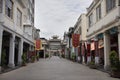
column 20, row 52
column 119, row 40
column 106, row 50
column 12, row 50
column 1, row 36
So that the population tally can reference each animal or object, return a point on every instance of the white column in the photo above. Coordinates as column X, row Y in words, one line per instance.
column 20, row 52
column 119, row 41
column 1, row 37
column 44, row 52
column 96, row 52
column 11, row 51
column 49, row 53
column 83, row 58
column 106, row 50
column 88, row 59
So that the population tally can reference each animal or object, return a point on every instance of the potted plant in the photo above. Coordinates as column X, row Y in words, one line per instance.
column 114, row 64
column 73, row 57
column 92, row 65
column 37, row 57
column 63, row 56
column 0, row 68
column 33, row 59
column 24, row 59
column 3, row 60
column 46, row 55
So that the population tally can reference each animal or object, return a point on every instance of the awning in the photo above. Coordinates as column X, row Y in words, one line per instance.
column 100, row 36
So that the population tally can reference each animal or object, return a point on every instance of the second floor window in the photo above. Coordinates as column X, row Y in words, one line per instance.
column 19, row 17
column 0, row 6
column 90, row 20
column 9, row 8
column 110, row 4
column 98, row 13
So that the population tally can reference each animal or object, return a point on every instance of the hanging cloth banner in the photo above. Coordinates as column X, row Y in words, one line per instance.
column 93, row 46
column 37, row 44
column 75, row 40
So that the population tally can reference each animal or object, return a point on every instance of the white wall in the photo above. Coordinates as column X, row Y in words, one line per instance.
column 106, row 18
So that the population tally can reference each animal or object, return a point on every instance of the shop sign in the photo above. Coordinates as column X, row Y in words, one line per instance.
column 37, row 44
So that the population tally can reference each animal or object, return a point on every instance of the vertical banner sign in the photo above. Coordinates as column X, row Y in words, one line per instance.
column 37, row 44
column 75, row 40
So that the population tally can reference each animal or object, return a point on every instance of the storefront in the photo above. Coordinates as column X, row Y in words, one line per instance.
column 88, row 52
column 113, row 39
column 101, row 51
column 92, row 51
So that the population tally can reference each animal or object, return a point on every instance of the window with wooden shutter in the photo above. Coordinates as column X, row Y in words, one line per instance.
column 19, row 18
column 9, row 8
column 110, row 4
column 98, row 13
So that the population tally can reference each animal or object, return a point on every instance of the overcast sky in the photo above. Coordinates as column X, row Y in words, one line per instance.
column 54, row 17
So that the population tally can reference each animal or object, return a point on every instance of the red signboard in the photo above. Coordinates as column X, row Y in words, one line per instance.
column 37, row 44
column 75, row 40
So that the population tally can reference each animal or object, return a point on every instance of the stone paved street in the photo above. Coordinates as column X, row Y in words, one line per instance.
column 55, row 69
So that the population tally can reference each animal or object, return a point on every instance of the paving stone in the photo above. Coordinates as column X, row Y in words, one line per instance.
column 55, row 69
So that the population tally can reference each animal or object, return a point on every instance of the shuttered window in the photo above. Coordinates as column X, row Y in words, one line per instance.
column 19, row 18
column 98, row 13
column 110, row 4
column 90, row 20
column 9, row 8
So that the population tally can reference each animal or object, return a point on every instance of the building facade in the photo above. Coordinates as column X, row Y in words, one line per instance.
column 44, row 47
column 103, row 30
column 16, row 30
column 81, row 29
column 66, row 41
column 70, row 49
